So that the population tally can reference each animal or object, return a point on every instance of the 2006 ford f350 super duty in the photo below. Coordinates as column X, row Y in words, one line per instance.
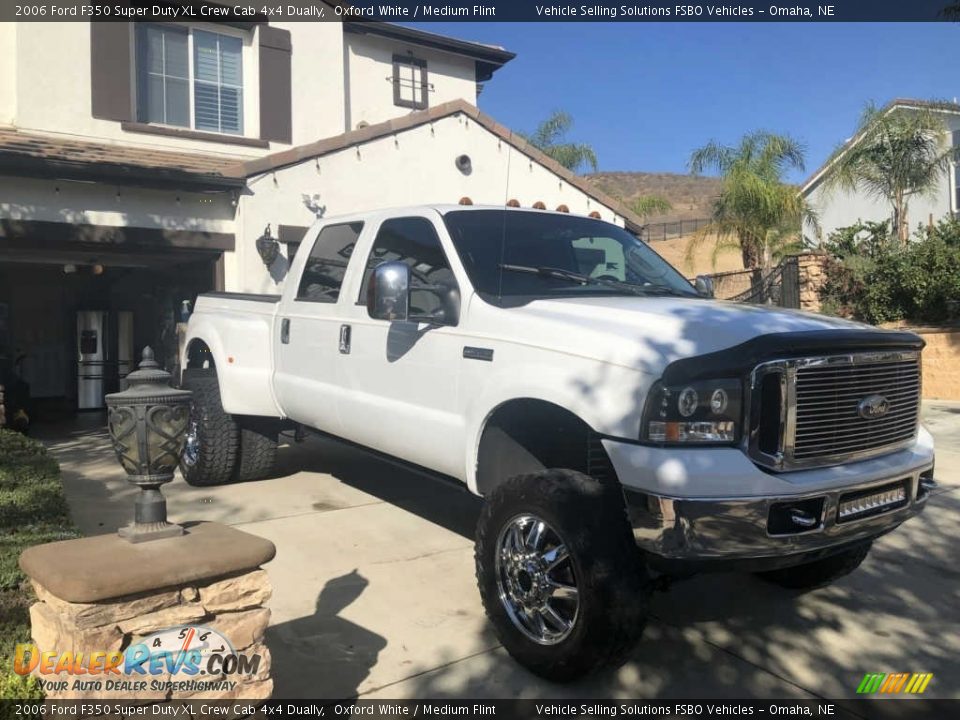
column 619, row 425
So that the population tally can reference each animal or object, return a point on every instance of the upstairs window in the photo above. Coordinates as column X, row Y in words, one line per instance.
column 163, row 86
column 218, row 82
column 410, row 85
column 190, row 78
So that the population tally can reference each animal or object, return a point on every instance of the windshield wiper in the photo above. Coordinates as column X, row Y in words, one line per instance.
column 561, row 274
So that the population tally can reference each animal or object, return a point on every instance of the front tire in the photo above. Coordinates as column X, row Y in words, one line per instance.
column 210, row 453
column 819, row 572
column 560, row 576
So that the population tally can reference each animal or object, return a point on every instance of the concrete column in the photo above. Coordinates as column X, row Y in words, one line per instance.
column 113, row 619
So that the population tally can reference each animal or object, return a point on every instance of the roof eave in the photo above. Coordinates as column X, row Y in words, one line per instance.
column 488, row 58
column 19, row 165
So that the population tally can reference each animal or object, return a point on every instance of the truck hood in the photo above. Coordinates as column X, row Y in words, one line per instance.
column 650, row 332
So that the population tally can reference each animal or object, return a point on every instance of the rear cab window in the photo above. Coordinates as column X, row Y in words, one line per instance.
column 325, row 268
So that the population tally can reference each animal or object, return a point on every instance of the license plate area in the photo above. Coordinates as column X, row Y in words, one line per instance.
column 873, row 501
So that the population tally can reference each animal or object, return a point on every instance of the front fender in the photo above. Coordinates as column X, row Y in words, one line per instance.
column 608, row 398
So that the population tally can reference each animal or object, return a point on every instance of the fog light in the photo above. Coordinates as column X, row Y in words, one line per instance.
column 871, row 504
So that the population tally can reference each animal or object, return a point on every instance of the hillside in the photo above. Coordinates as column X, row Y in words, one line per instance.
column 690, row 196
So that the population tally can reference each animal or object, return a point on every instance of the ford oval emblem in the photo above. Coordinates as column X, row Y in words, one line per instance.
column 873, row 407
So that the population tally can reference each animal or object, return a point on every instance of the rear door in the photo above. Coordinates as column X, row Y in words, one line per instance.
column 308, row 329
column 402, row 376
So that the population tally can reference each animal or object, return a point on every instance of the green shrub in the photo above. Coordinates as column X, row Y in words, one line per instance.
column 33, row 510
column 878, row 280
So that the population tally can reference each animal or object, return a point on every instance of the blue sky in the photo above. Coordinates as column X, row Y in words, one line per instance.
column 645, row 95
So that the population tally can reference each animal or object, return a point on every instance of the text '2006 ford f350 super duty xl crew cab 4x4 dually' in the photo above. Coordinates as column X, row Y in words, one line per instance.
column 619, row 425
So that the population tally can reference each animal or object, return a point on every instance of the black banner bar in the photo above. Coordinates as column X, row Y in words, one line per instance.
column 410, row 11
column 879, row 708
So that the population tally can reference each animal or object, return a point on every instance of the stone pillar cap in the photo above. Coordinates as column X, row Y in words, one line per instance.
column 97, row 568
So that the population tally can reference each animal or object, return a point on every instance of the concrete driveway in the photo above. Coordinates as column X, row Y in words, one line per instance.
column 374, row 592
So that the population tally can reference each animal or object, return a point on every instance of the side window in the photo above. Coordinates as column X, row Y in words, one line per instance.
column 413, row 241
column 410, row 84
column 324, row 270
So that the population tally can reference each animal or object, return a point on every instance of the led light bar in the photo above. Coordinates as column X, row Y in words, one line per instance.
column 872, row 504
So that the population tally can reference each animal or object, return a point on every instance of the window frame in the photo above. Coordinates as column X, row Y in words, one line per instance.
column 247, row 112
column 415, row 63
column 219, row 85
column 437, row 233
column 303, row 270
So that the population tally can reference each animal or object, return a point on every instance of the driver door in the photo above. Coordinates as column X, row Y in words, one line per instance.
column 401, row 376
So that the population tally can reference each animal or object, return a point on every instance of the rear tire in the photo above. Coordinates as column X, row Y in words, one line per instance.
column 211, row 453
column 594, row 607
column 819, row 572
column 258, row 448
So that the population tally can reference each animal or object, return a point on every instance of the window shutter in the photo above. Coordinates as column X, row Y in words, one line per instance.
column 111, row 70
column 276, row 102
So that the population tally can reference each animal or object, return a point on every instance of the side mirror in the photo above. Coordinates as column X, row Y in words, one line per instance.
column 388, row 296
column 704, row 285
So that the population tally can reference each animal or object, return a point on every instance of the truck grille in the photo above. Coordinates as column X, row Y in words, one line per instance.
column 832, row 418
column 810, row 412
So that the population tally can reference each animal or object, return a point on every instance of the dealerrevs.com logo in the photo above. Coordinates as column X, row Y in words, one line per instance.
column 185, row 658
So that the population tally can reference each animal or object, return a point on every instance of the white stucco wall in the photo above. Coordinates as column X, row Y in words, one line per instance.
column 414, row 167
column 369, row 90
column 100, row 204
column 53, row 89
column 8, row 75
column 841, row 209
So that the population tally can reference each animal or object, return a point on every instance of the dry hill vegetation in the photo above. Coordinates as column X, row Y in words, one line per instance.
column 691, row 197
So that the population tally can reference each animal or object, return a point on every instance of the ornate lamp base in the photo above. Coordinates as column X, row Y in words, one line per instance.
column 142, row 532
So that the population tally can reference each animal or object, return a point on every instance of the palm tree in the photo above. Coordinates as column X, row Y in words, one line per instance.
column 898, row 153
column 755, row 204
column 549, row 138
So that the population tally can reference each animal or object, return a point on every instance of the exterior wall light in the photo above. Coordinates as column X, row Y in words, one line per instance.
column 148, row 425
column 267, row 247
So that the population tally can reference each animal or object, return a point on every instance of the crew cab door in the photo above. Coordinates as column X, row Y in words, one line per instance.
column 401, row 376
column 308, row 329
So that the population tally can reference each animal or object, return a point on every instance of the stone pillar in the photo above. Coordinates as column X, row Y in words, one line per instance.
column 106, row 607
column 810, row 272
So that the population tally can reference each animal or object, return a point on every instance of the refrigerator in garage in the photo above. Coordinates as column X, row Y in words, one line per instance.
column 104, row 355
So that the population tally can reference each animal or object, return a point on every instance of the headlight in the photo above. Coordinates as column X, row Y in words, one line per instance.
column 702, row 412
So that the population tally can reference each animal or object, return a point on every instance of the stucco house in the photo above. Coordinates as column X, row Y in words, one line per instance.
column 842, row 209
column 140, row 163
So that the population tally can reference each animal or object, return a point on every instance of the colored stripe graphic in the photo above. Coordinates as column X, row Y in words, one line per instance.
column 893, row 683
column 870, row 683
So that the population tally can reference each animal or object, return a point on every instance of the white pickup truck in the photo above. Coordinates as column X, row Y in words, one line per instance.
column 620, row 425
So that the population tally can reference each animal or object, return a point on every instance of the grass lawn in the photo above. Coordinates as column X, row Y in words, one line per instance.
column 32, row 511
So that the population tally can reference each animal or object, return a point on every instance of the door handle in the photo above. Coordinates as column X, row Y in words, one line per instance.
column 285, row 331
column 345, row 339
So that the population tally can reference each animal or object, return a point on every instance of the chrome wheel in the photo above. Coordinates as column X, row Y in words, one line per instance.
column 536, row 580
column 191, row 445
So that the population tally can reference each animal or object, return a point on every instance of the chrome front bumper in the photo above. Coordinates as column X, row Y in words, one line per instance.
column 738, row 529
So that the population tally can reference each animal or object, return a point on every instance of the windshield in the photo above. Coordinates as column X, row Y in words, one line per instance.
column 513, row 257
